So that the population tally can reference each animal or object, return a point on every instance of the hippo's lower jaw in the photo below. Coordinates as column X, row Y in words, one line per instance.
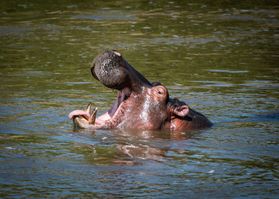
column 84, row 123
column 87, row 119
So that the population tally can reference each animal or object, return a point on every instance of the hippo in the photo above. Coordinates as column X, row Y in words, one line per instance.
column 139, row 104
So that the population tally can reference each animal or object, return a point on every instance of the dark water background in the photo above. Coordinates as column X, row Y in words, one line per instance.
column 221, row 57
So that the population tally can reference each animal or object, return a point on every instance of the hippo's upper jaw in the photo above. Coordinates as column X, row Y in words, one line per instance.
column 115, row 72
column 139, row 104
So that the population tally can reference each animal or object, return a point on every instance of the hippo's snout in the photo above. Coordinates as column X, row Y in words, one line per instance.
column 109, row 68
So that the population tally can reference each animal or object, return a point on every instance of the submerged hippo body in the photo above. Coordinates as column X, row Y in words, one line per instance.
column 139, row 104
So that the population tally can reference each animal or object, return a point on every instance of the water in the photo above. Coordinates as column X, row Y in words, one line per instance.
column 220, row 57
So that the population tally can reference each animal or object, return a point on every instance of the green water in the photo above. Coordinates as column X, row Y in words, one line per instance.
column 221, row 57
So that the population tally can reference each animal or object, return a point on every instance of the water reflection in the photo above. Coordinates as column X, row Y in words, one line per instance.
column 127, row 146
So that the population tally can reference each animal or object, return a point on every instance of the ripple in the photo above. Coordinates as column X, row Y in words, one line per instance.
column 107, row 15
column 178, row 40
column 76, row 83
column 248, row 18
column 261, row 84
column 227, row 71
column 13, row 30
column 215, row 83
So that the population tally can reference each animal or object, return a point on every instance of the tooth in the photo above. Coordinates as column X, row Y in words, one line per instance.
column 93, row 115
column 88, row 108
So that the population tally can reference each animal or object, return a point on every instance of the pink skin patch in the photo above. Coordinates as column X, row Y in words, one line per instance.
column 79, row 113
column 99, row 120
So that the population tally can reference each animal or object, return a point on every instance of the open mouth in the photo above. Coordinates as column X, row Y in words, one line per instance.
column 121, row 97
column 114, row 72
column 88, row 117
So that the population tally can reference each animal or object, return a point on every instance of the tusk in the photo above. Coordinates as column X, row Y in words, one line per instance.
column 93, row 114
column 88, row 108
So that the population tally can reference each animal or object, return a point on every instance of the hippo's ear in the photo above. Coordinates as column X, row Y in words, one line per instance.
column 181, row 111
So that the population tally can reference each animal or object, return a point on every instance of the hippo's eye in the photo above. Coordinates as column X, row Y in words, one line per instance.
column 161, row 90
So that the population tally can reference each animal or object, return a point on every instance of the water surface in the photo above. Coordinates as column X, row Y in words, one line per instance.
column 220, row 57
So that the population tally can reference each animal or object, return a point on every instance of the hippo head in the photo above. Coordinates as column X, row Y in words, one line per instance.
column 139, row 103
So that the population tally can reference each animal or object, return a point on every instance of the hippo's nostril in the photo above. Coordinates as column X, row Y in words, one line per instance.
column 93, row 71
